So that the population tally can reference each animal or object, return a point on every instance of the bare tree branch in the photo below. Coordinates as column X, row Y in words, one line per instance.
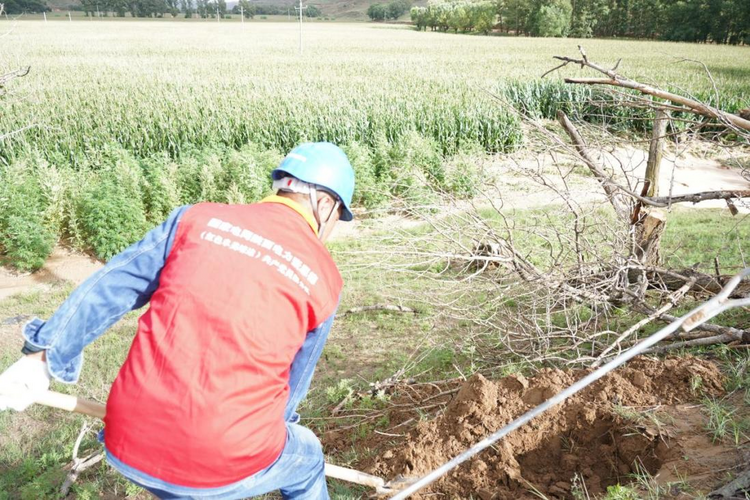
column 663, row 201
column 11, row 75
column 672, row 301
column 378, row 307
column 616, row 80
column 606, row 182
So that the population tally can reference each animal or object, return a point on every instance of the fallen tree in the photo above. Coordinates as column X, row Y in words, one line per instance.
column 554, row 285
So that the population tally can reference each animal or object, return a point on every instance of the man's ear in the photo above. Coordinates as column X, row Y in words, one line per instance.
column 326, row 204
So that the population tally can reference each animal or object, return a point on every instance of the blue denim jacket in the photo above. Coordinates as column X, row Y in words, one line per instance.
column 126, row 283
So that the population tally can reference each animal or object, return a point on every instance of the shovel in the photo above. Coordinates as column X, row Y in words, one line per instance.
column 98, row 410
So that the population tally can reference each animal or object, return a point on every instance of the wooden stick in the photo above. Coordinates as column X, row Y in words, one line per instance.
column 79, row 405
column 377, row 307
column 354, row 476
column 72, row 403
column 694, row 106
column 718, row 339
column 698, row 197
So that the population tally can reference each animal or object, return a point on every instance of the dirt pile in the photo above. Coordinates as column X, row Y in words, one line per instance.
column 586, row 436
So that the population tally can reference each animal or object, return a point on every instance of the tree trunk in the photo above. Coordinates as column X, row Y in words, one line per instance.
column 655, row 152
column 648, row 225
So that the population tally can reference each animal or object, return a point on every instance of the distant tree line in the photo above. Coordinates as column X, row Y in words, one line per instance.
column 189, row 8
column 24, row 6
column 456, row 16
column 717, row 21
column 250, row 10
column 385, row 11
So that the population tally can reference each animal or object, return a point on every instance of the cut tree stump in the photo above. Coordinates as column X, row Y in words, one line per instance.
column 648, row 231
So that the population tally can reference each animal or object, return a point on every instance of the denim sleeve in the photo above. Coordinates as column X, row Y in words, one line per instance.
column 124, row 284
column 303, row 367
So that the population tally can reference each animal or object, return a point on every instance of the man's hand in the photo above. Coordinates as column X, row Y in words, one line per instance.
column 23, row 381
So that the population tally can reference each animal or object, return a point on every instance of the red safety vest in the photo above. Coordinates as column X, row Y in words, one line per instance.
column 200, row 399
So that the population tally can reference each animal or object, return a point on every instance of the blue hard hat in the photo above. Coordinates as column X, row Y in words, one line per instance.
column 325, row 165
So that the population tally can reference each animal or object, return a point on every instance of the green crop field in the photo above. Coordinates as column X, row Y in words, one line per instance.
column 174, row 109
column 164, row 87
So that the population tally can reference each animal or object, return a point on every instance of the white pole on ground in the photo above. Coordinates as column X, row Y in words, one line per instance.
column 242, row 13
column 69, row 17
column 45, row 16
column 217, row 13
column 697, row 316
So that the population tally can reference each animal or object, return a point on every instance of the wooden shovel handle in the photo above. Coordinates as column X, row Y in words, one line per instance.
column 72, row 403
column 354, row 476
column 79, row 405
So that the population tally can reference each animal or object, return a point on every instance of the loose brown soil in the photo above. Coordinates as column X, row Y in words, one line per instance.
column 586, row 436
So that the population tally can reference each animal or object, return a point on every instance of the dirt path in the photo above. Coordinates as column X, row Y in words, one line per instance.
column 62, row 265
column 684, row 175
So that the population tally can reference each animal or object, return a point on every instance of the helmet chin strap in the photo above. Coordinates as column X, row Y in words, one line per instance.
column 314, row 203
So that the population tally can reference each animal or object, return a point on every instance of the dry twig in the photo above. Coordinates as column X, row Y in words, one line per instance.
column 377, row 307
column 79, row 464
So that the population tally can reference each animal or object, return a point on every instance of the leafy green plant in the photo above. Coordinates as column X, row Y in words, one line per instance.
column 161, row 192
column 25, row 235
column 111, row 210
column 462, row 177
column 369, row 190
column 245, row 176
column 620, row 492
column 343, row 390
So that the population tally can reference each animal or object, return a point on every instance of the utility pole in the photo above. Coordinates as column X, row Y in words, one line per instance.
column 242, row 13
column 69, row 17
column 97, row 10
column 45, row 16
column 300, row 8
column 218, row 20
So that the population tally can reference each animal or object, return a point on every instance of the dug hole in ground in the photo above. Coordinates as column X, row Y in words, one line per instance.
column 637, row 423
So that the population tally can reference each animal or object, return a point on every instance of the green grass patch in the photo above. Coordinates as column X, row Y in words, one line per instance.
column 696, row 237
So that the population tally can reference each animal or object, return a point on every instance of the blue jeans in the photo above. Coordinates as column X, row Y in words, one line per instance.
column 299, row 472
